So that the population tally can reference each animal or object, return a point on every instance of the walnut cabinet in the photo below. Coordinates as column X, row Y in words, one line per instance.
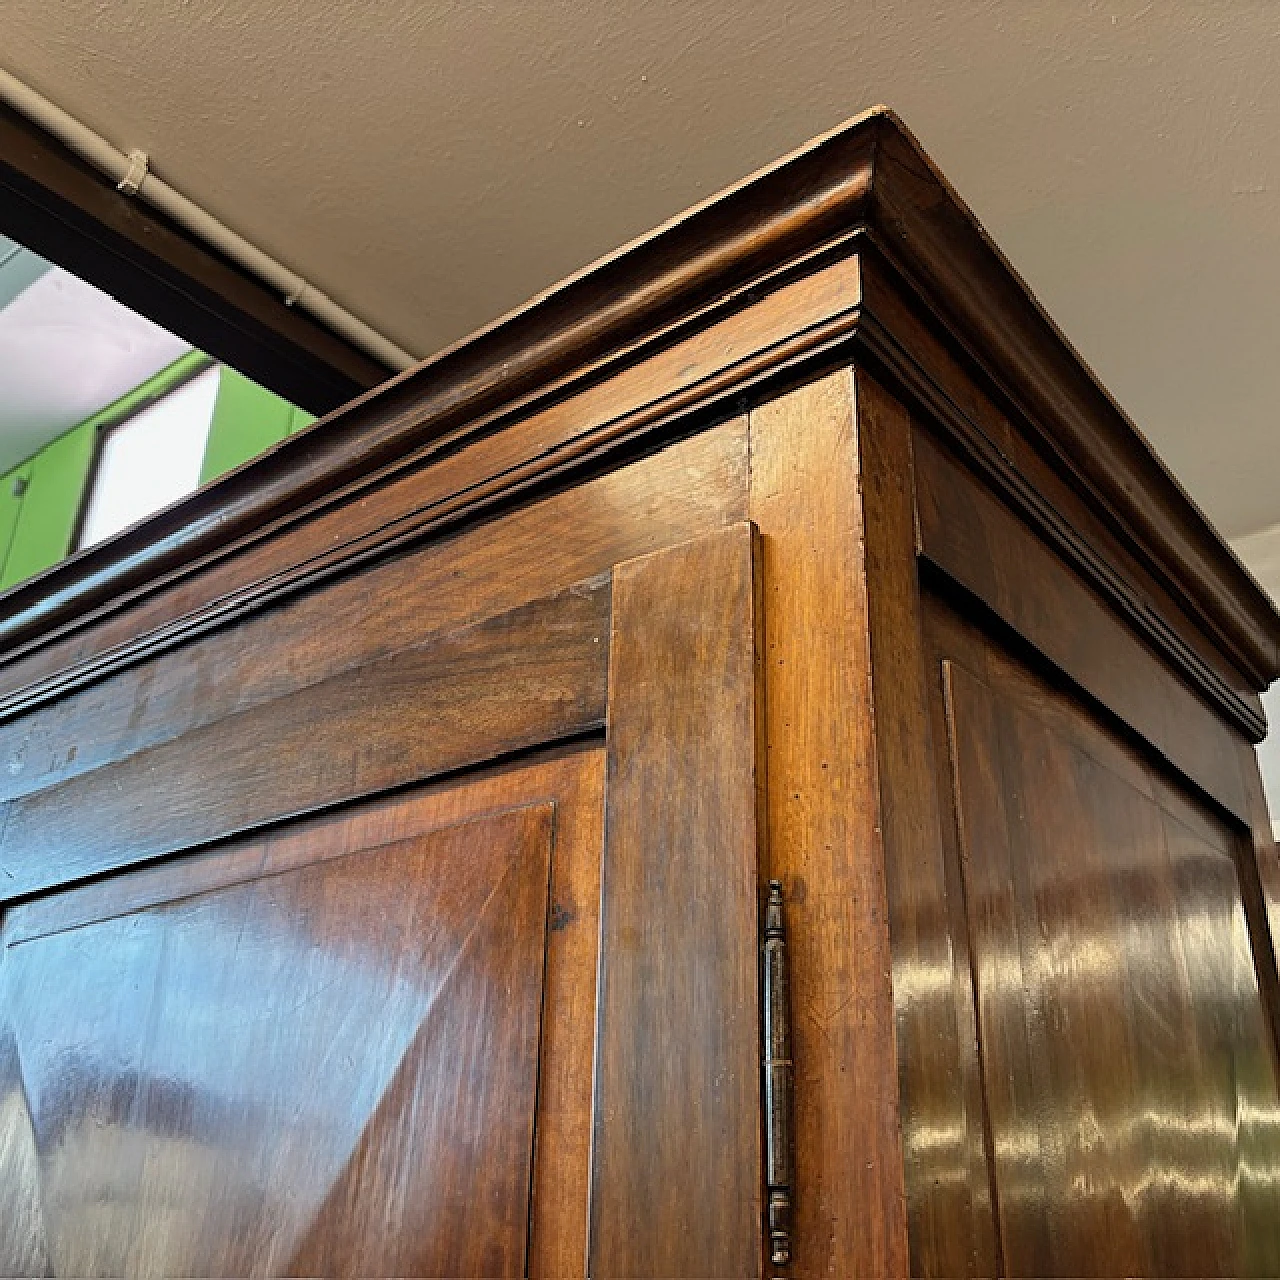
column 388, row 829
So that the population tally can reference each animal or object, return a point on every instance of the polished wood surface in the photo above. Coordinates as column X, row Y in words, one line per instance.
column 982, row 546
column 676, row 1159
column 1134, row 1135
column 823, row 840
column 1260, row 882
column 949, row 1203
column 864, row 189
column 529, row 676
column 980, row 690
column 691, row 488
column 924, row 363
column 1131, row 1071
column 570, row 777
column 330, row 1069
column 464, row 697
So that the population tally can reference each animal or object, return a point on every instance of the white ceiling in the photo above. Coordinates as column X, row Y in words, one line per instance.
column 430, row 164
column 66, row 351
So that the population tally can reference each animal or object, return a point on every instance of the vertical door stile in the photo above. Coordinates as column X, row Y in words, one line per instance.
column 676, row 1186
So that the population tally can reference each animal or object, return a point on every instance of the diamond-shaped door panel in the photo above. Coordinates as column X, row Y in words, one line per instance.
column 326, row 1070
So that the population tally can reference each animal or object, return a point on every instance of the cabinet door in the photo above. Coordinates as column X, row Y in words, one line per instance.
column 357, row 1028
column 1128, row 1063
column 223, row 1081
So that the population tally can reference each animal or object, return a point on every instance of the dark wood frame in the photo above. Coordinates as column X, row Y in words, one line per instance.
column 649, row 655
column 833, row 351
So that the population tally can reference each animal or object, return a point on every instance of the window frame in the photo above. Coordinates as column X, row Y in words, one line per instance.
column 108, row 428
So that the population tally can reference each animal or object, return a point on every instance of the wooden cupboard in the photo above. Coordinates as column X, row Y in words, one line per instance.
column 388, row 828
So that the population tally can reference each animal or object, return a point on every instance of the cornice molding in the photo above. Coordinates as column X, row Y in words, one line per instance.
column 868, row 175
column 610, row 443
column 906, row 375
column 591, row 322
column 938, row 245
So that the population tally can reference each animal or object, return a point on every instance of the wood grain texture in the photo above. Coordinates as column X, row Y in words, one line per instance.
column 523, row 678
column 1130, row 1066
column 823, row 825
column 718, row 258
column 1260, row 884
column 1033, row 970
column 462, row 473
column 926, row 365
column 976, row 541
column 868, row 180
column 949, row 1209
column 330, row 1069
column 562, row 1154
column 687, row 489
column 570, row 777
column 1021, row 1199
column 676, row 1158
column 996, row 323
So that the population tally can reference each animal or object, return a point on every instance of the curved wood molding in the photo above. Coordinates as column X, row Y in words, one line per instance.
column 890, row 358
column 868, row 176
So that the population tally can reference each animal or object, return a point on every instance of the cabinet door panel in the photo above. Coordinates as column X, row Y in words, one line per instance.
column 331, row 1069
column 1129, row 1072
column 366, row 1037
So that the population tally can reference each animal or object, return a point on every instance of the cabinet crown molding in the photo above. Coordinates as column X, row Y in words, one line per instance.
column 866, row 181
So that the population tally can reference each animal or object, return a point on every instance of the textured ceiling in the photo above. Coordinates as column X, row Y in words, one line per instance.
column 432, row 164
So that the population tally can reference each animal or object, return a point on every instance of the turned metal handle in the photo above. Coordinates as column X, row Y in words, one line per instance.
column 779, row 1147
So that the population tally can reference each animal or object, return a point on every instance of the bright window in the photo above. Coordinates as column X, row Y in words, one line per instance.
column 150, row 459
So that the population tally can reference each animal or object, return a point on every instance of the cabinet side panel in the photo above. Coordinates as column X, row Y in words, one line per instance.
column 823, row 831
column 967, row 533
column 1260, row 880
column 1129, row 1064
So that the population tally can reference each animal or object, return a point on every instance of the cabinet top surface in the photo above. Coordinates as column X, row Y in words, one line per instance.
column 866, row 186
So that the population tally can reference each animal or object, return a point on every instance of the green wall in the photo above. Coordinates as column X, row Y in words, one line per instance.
column 12, row 490
column 247, row 419
column 37, row 525
column 46, row 521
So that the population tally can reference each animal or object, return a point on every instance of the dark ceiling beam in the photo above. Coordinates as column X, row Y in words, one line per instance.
column 63, row 209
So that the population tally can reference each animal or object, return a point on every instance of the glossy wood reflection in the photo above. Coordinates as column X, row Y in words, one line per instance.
column 522, row 678
column 1131, row 1083
column 326, row 1070
column 676, row 1155
column 824, row 829
column 323, row 952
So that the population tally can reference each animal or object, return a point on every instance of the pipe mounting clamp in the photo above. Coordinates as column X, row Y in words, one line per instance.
column 139, row 167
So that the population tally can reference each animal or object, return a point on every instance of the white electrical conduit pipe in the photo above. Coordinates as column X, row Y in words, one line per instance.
column 131, row 176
